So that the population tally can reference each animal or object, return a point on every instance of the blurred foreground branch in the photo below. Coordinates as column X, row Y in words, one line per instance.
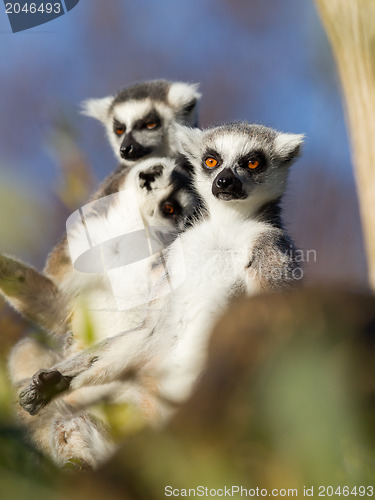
column 287, row 400
column 350, row 25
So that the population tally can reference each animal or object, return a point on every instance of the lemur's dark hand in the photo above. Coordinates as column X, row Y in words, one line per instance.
column 45, row 385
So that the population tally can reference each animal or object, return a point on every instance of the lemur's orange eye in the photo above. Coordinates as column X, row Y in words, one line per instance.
column 210, row 162
column 253, row 164
column 119, row 130
column 168, row 209
column 151, row 125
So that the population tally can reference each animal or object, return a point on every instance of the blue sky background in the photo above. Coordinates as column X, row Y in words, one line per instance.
column 264, row 61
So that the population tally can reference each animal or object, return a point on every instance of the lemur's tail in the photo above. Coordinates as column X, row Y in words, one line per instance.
column 33, row 295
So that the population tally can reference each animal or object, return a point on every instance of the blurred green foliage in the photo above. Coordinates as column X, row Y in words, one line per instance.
column 24, row 221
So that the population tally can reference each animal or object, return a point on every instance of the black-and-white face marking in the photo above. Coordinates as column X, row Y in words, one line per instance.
column 240, row 162
column 139, row 119
column 229, row 182
column 139, row 138
column 167, row 197
column 139, row 129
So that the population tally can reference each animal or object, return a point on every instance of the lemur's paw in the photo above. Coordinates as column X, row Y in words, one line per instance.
column 44, row 386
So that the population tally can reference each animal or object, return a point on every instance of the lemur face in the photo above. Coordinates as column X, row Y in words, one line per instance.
column 239, row 162
column 139, row 119
column 140, row 129
column 166, row 197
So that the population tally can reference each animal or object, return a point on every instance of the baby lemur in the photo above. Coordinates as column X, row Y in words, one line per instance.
column 239, row 247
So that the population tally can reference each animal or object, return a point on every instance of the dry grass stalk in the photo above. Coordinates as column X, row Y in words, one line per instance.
column 350, row 26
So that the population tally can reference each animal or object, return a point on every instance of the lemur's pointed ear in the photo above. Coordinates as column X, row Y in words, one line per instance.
column 288, row 146
column 184, row 97
column 188, row 141
column 97, row 108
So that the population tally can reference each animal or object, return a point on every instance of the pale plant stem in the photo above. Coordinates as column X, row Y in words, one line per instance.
column 350, row 26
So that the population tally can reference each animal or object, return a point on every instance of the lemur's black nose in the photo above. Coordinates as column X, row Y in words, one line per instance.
column 131, row 149
column 224, row 181
column 228, row 186
column 126, row 150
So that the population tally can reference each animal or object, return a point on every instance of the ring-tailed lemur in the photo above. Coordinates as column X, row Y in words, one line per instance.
column 240, row 247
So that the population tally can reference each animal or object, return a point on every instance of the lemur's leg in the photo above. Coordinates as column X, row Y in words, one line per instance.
column 59, row 430
column 140, row 393
column 273, row 265
column 81, row 438
column 100, row 364
column 64, row 434
column 33, row 295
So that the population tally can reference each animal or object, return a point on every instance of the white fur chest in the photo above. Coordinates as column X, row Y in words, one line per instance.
column 213, row 261
column 215, row 255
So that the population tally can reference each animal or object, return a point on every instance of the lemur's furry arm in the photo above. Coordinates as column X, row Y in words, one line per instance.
column 100, row 364
column 273, row 263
